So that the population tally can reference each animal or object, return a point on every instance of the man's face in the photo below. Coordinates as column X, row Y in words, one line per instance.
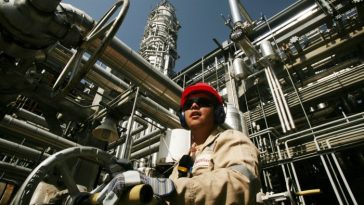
column 199, row 111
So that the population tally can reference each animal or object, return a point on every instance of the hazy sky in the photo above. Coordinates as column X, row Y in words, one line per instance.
column 200, row 22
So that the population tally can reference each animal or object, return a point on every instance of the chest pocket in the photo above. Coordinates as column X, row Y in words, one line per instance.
column 203, row 161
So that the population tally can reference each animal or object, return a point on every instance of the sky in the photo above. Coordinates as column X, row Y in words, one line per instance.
column 200, row 21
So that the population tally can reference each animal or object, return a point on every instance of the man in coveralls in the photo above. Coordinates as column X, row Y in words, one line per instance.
column 224, row 168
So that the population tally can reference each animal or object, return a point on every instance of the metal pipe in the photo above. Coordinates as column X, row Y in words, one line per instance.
column 34, row 133
column 39, row 120
column 275, row 100
column 125, row 153
column 342, row 174
column 245, row 13
column 279, row 99
column 285, row 105
column 21, row 150
column 134, row 67
column 234, row 10
column 15, row 170
column 145, row 105
column 148, row 136
column 145, row 151
column 45, row 5
column 137, row 130
column 146, row 143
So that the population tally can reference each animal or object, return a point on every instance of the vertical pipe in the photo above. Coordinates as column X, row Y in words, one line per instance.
column 331, row 180
column 125, row 154
column 217, row 77
column 336, row 178
column 234, row 9
column 279, row 99
column 343, row 178
column 203, row 69
column 289, row 115
column 275, row 100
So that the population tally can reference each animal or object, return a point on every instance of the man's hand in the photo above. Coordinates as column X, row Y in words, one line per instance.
column 112, row 192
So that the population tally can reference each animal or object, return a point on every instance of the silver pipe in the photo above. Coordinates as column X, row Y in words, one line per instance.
column 331, row 180
column 234, row 10
column 137, row 130
column 146, row 143
column 15, row 170
column 145, row 151
column 342, row 174
column 18, row 149
column 275, row 101
column 77, row 16
column 35, row 133
column 148, row 136
column 157, row 112
column 125, row 153
column 134, row 67
column 145, row 105
column 284, row 101
column 279, row 99
column 344, row 178
column 245, row 13
column 45, row 5
column 39, row 120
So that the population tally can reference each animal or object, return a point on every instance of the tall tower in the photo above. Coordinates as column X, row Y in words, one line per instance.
column 159, row 44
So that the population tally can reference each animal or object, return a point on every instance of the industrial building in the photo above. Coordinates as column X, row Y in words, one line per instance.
column 74, row 98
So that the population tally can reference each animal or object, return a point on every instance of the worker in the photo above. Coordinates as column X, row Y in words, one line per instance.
column 220, row 168
column 224, row 168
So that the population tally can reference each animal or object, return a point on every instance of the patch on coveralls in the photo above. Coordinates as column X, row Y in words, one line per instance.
column 202, row 160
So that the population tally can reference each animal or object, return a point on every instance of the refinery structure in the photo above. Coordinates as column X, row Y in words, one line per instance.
column 74, row 98
column 159, row 44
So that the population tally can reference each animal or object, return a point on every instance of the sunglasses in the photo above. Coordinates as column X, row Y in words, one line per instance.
column 201, row 102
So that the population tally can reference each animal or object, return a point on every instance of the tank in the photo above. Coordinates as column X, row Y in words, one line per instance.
column 233, row 117
column 173, row 145
column 267, row 51
column 240, row 68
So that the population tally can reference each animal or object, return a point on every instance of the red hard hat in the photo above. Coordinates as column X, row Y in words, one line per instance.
column 200, row 88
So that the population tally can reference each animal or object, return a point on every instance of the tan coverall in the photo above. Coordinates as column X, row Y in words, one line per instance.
column 214, row 177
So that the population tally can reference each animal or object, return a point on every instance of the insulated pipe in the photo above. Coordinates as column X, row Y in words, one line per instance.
column 39, row 120
column 148, row 136
column 145, row 105
column 35, row 133
column 24, row 151
column 108, row 80
column 275, row 100
column 15, row 170
column 234, row 9
column 145, row 151
column 285, row 105
column 134, row 67
column 45, row 5
column 125, row 153
column 279, row 99
column 77, row 16
column 146, row 143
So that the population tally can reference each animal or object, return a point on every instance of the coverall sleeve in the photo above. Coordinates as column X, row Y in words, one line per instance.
column 223, row 185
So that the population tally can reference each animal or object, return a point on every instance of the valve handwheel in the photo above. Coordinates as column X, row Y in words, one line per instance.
column 56, row 163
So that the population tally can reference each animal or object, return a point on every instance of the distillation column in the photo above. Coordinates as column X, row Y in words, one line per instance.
column 159, row 43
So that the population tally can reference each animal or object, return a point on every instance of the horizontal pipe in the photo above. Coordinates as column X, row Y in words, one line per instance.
column 21, row 150
column 145, row 151
column 146, row 143
column 35, row 133
column 134, row 67
column 27, row 115
column 14, row 170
